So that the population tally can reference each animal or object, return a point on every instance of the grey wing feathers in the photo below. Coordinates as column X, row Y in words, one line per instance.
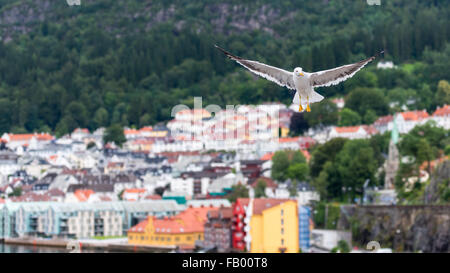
column 339, row 74
column 277, row 75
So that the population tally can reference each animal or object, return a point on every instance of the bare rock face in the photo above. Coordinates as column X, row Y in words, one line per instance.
column 423, row 228
column 22, row 17
column 438, row 184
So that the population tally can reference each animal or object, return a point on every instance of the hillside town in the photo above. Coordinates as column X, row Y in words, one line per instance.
column 176, row 185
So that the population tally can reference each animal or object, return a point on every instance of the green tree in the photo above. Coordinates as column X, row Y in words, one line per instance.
column 362, row 99
column 349, row 118
column 370, row 117
column 16, row 192
column 298, row 171
column 280, row 165
column 323, row 153
column 355, row 164
column 101, row 117
column 260, row 189
column 443, row 93
column 322, row 113
column 114, row 133
column 237, row 191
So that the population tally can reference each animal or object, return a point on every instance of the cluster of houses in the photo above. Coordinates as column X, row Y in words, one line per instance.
column 405, row 122
column 257, row 225
column 173, row 179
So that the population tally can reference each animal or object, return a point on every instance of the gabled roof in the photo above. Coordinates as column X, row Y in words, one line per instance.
column 83, row 195
column 414, row 115
column 442, row 111
column 27, row 137
column 347, row 129
column 383, row 120
column 269, row 182
column 188, row 221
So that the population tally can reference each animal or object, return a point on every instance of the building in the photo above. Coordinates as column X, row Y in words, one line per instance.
column 442, row 116
column 133, row 194
column 353, row 132
column 218, row 230
column 304, row 228
column 265, row 225
column 182, row 230
column 385, row 65
column 35, row 140
column 79, row 220
column 328, row 239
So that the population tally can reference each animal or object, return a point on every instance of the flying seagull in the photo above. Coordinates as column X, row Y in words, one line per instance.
column 300, row 81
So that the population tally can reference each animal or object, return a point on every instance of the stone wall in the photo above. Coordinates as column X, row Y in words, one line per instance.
column 423, row 228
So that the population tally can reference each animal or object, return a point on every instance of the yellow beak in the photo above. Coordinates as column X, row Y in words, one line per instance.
column 300, row 74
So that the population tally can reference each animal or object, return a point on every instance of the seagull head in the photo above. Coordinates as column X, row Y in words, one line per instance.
column 298, row 71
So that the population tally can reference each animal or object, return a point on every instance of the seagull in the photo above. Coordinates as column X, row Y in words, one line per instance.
column 300, row 81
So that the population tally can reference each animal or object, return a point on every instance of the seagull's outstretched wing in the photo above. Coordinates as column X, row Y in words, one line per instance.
column 277, row 75
column 338, row 74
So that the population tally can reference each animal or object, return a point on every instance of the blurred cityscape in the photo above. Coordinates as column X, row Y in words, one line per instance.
column 123, row 129
column 167, row 188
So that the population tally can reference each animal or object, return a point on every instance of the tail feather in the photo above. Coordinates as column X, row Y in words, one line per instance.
column 315, row 97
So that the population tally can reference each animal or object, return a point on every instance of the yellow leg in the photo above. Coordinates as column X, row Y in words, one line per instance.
column 300, row 108
column 307, row 105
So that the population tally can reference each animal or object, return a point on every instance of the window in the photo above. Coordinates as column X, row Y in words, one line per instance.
column 282, row 212
column 188, row 238
column 282, row 221
column 168, row 239
column 177, row 239
column 282, row 230
column 162, row 238
column 282, row 242
column 199, row 237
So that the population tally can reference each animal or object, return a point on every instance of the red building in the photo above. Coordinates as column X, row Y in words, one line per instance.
column 238, row 232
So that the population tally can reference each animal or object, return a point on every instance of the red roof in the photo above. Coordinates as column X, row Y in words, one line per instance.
column 442, row 111
column 140, row 227
column 130, row 132
column 194, row 112
column 347, row 129
column 83, row 195
column 81, row 130
column 267, row 156
column 383, row 120
column 27, row 137
column 146, row 129
column 269, row 182
column 134, row 190
column 2, row 201
column 415, row 115
column 189, row 221
column 288, row 139
column 153, row 197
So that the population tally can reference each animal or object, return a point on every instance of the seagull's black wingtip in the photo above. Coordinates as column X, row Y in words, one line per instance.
column 226, row 52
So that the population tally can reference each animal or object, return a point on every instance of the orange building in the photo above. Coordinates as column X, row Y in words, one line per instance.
column 180, row 230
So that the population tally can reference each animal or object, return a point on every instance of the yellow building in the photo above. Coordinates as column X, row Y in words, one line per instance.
column 180, row 230
column 273, row 225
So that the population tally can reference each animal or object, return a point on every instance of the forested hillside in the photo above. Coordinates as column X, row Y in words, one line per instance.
column 129, row 62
